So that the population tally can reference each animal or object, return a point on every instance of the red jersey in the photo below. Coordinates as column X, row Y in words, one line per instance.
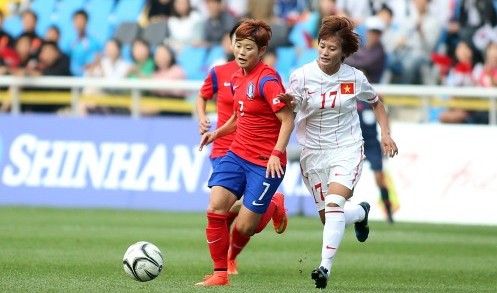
column 255, row 102
column 218, row 81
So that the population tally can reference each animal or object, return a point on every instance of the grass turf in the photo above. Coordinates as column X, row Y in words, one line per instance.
column 79, row 250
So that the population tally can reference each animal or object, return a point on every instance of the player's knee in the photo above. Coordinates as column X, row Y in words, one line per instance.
column 334, row 200
column 245, row 229
column 216, row 210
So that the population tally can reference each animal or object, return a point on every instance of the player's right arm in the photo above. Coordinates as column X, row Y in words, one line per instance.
column 227, row 128
column 207, row 92
column 293, row 96
column 204, row 123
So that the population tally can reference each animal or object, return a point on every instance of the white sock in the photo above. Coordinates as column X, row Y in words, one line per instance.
column 333, row 231
column 353, row 213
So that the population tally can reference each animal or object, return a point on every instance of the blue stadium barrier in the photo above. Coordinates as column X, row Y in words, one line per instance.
column 153, row 164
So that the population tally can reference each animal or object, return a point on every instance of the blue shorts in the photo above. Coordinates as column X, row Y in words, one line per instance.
column 372, row 150
column 244, row 178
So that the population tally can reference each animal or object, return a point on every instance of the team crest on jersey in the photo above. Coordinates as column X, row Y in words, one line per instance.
column 251, row 90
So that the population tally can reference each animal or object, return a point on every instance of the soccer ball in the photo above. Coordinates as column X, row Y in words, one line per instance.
column 143, row 261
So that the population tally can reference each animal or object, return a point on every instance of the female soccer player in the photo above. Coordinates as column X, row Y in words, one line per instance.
column 326, row 92
column 217, row 85
column 255, row 164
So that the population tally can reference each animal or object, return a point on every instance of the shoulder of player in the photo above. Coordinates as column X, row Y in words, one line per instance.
column 347, row 69
column 351, row 73
column 225, row 67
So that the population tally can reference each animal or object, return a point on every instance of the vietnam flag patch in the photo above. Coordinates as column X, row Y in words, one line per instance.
column 347, row 88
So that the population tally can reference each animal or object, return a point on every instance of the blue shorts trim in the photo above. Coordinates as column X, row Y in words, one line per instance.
column 244, row 178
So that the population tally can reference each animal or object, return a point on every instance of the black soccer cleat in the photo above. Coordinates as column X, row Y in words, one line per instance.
column 362, row 227
column 320, row 276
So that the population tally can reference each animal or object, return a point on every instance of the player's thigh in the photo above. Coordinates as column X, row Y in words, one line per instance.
column 247, row 221
column 221, row 200
column 345, row 170
column 230, row 174
column 236, row 206
column 317, row 184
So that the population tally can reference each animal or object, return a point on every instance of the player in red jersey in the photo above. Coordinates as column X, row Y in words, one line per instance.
column 255, row 163
column 217, row 85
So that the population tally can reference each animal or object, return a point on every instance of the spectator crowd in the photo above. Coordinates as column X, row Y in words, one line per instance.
column 444, row 42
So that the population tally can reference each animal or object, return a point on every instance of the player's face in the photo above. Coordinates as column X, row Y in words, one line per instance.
column 247, row 54
column 330, row 54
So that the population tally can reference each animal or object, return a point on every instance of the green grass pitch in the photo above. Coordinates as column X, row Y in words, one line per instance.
column 80, row 250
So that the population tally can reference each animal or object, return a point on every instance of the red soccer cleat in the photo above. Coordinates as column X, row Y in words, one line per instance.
column 232, row 267
column 280, row 220
column 215, row 280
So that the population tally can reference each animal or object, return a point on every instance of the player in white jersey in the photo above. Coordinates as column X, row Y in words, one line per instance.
column 325, row 93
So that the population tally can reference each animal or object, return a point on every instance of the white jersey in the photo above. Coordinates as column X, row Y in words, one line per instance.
column 327, row 106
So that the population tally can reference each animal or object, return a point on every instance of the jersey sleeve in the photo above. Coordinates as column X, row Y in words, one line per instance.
column 209, row 87
column 366, row 92
column 296, row 88
column 269, row 87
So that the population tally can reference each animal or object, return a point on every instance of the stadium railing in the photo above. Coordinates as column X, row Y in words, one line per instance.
column 424, row 97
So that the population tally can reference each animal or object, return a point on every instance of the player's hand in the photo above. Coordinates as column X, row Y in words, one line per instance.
column 389, row 146
column 274, row 167
column 204, row 125
column 206, row 139
column 288, row 99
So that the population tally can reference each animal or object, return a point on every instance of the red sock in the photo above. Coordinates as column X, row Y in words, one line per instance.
column 266, row 217
column 218, row 240
column 238, row 242
column 231, row 217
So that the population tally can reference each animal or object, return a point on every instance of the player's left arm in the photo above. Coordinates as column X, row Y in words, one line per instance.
column 285, row 115
column 367, row 94
column 388, row 144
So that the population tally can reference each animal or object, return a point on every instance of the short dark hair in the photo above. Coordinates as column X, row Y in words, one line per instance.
column 387, row 9
column 171, row 52
column 50, row 44
column 255, row 30
column 117, row 42
column 343, row 28
column 30, row 12
column 55, row 28
column 81, row 12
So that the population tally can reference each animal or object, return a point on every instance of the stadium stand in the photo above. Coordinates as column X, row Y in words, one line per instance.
column 44, row 10
column 286, row 61
column 62, row 18
column 214, row 54
column 306, row 56
column 126, row 32
column 192, row 60
column 98, row 22
column 13, row 25
column 155, row 33
column 128, row 10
